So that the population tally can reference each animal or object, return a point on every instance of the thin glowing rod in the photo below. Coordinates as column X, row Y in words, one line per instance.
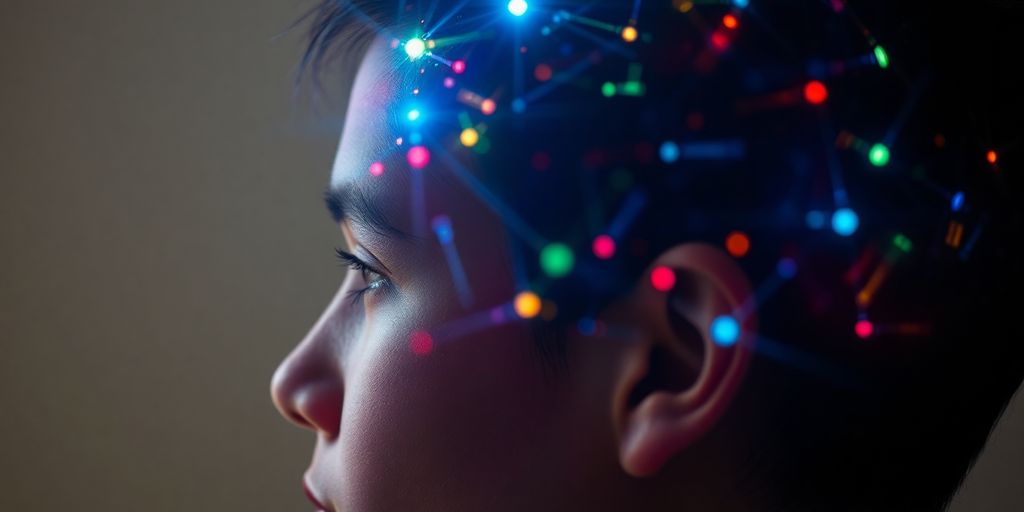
column 805, row 362
column 476, row 35
column 838, row 189
column 419, row 209
column 507, row 216
column 455, row 10
column 610, row 46
column 474, row 322
column 590, row 22
column 634, row 203
column 965, row 252
column 766, row 289
column 446, row 237
column 908, row 107
column 636, row 11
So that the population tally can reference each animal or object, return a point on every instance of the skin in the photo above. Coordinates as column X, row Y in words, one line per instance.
column 481, row 422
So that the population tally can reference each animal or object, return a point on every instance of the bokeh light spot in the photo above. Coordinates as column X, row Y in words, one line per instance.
column 845, row 221
column 663, row 278
column 815, row 92
column 556, row 259
column 669, row 152
column 376, row 169
column 488, row 106
column 738, row 244
column 418, row 157
column 415, row 48
column 604, row 247
column 459, row 67
column 864, row 328
column 878, row 155
column 517, row 7
column 469, row 137
column 527, row 304
column 629, row 34
column 421, row 343
column 725, row 330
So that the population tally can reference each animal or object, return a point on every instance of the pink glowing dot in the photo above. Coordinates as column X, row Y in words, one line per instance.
column 376, row 169
column 418, row 157
column 719, row 40
column 864, row 328
column 604, row 247
column 459, row 67
column 421, row 343
column 663, row 279
column 488, row 106
column 449, row 82
column 398, row 141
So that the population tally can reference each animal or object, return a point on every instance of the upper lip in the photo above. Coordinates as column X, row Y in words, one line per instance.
column 313, row 497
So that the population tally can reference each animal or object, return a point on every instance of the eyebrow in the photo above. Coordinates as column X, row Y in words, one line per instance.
column 353, row 203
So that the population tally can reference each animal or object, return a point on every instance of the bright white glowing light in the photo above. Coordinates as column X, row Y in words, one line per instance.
column 415, row 47
column 518, row 7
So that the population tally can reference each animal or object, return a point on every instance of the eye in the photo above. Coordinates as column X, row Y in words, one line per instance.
column 374, row 279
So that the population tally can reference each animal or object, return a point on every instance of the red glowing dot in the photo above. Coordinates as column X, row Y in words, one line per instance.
column 604, row 247
column 663, row 279
column 815, row 92
column 737, row 243
column 719, row 41
column 540, row 161
column 459, row 67
column 864, row 328
column 940, row 140
column 376, row 169
column 542, row 72
column 418, row 157
column 991, row 156
column 730, row 21
column 421, row 343
column 487, row 106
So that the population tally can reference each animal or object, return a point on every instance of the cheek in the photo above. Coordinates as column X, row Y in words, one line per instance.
column 471, row 412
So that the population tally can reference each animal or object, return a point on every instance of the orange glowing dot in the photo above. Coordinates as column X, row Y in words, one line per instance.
column 738, row 244
column 542, row 72
column 991, row 156
column 730, row 21
column 527, row 304
column 940, row 140
column 683, row 5
column 629, row 34
column 815, row 92
column 488, row 106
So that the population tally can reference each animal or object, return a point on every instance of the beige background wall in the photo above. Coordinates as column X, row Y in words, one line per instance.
column 163, row 245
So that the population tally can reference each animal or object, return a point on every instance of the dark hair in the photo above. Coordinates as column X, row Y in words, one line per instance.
column 833, row 421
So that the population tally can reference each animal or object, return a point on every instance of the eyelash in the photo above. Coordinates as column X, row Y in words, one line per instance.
column 353, row 262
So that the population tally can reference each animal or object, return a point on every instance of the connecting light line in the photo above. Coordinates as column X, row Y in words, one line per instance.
column 636, row 11
column 834, row 168
column 558, row 79
column 908, row 107
column 610, row 46
column 805, row 362
column 590, row 22
column 506, row 214
column 442, row 226
column 476, row 35
column 474, row 322
column 440, row 23
column 634, row 204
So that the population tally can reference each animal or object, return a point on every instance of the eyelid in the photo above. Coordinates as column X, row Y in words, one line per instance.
column 355, row 262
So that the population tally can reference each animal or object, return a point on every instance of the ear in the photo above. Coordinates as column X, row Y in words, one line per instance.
column 678, row 379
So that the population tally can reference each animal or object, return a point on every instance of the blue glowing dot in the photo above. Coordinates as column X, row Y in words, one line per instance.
column 741, row 3
column 415, row 138
column 518, row 105
column 587, row 326
column 518, row 7
column 414, row 114
column 545, row 30
column 815, row 219
column 669, row 152
column 725, row 330
column 442, row 227
column 957, row 202
column 845, row 221
column 786, row 268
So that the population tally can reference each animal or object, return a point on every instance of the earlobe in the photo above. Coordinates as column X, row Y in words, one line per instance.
column 681, row 376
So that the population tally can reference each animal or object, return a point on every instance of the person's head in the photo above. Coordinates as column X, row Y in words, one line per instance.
column 645, row 256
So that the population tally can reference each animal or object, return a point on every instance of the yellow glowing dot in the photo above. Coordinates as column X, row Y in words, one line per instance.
column 629, row 34
column 469, row 137
column 683, row 5
column 431, row 44
column 527, row 304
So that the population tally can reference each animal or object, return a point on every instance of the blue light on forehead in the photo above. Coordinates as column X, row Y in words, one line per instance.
column 415, row 138
column 442, row 227
column 845, row 221
column 413, row 114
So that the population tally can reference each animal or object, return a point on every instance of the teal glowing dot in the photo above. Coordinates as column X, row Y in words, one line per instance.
column 878, row 155
column 902, row 242
column 845, row 221
column 415, row 48
column 725, row 330
column 741, row 3
column 517, row 7
column 608, row 89
column 413, row 114
column 556, row 259
column 881, row 57
column 518, row 105
column 669, row 152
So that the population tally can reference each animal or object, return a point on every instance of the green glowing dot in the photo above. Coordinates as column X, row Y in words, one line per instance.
column 556, row 259
column 902, row 242
column 608, row 89
column 881, row 57
column 415, row 47
column 879, row 155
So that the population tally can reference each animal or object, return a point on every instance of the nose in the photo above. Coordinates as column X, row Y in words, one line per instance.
column 307, row 387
